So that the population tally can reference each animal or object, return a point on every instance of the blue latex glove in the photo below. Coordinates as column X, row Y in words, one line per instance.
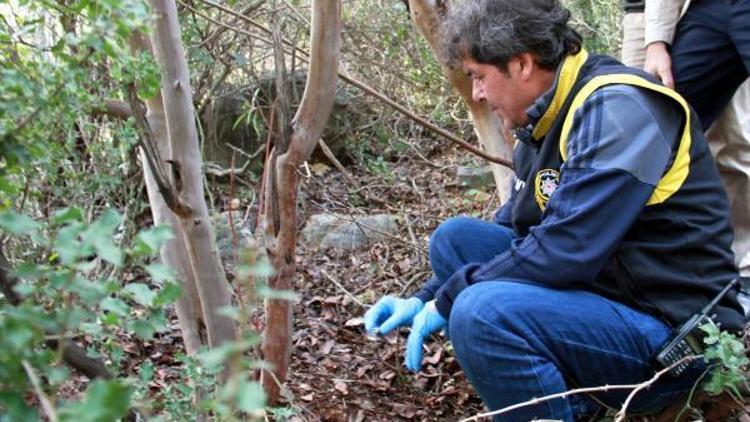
column 391, row 312
column 427, row 321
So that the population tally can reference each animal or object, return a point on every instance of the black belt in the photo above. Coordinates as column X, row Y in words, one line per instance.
column 633, row 6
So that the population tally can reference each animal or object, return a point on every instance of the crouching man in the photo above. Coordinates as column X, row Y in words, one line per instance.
column 616, row 233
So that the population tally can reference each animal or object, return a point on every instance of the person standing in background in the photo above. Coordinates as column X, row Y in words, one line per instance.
column 709, row 58
column 633, row 52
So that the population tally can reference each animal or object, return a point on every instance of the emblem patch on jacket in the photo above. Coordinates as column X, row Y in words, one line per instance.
column 545, row 184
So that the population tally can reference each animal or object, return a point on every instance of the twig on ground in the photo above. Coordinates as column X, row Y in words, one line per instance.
column 341, row 286
column 355, row 185
column 49, row 410
column 604, row 388
column 623, row 411
column 413, row 237
column 336, row 163
column 411, row 281
column 420, row 155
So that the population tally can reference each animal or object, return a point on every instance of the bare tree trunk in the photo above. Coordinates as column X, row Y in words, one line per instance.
column 280, row 213
column 195, row 230
column 427, row 16
column 173, row 253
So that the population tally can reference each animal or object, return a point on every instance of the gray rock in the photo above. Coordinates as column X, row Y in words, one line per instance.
column 475, row 177
column 222, row 229
column 339, row 231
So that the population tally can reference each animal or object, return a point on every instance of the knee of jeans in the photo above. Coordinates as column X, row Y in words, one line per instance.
column 505, row 306
column 443, row 237
column 466, row 318
column 462, row 323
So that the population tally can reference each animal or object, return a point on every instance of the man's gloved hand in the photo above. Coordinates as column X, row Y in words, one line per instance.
column 391, row 312
column 427, row 321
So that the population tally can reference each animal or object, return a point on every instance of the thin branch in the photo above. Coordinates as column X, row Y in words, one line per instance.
column 565, row 394
column 49, row 410
column 336, row 163
column 216, row 170
column 343, row 289
column 147, row 144
column 623, row 411
column 355, row 185
column 241, row 152
column 113, row 108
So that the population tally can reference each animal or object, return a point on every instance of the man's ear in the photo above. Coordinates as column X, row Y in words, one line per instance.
column 527, row 65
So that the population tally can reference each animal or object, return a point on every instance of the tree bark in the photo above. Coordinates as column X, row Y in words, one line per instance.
column 281, row 184
column 173, row 252
column 195, row 231
column 428, row 16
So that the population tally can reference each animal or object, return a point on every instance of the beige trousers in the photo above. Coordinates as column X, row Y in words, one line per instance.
column 728, row 138
column 633, row 51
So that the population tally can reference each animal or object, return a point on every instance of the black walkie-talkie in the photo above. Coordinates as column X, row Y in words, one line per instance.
column 685, row 341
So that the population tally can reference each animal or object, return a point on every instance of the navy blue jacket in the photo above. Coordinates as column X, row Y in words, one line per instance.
column 616, row 193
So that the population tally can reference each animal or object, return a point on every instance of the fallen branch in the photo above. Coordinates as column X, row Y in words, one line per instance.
column 623, row 411
column 336, row 163
column 349, row 178
column 343, row 289
column 605, row 388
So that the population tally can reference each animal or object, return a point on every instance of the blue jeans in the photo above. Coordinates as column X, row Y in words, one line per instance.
column 516, row 339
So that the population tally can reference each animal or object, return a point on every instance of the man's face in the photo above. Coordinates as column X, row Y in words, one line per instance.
column 506, row 93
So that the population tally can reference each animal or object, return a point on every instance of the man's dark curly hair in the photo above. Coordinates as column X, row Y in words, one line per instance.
column 494, row 31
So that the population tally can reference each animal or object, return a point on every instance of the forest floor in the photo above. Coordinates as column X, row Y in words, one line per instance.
column 337, row 372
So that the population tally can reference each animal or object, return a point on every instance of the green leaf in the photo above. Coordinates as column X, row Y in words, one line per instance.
column 105, row 401
column 100, row 234
column 57, row 374
column 68, row 214
column 146, row 372
column 143, row 329
column 169, row 293
column 68, row 246
column 17, row 224
column 93, row 329
column 140, row 293
column 15, row 407
column 19, row 337
column 160, row 272
column 116, row 306
column 214, row 358
column 148, row 242
column 229, row 311
column 262, row 269
column 250, row 397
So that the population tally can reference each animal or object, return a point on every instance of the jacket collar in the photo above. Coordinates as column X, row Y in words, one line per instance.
column 543, row 112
